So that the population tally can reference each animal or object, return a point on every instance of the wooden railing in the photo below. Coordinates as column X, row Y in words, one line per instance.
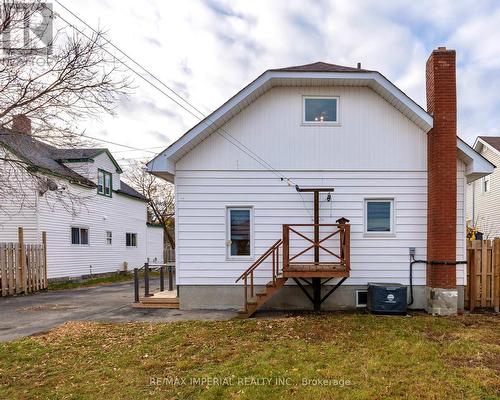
column 248, row 275
column 340, row 255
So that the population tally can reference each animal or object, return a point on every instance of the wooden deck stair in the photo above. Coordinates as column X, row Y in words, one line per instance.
column 254, row 303
column 165, row 299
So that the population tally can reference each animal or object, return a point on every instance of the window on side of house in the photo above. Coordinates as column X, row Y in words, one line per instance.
column 109, row 238
column 379, row 216
column 239, row 232
column 487, row 184
column 79, row 236
column 320, row 110
column 131, row 239
column 104, row 183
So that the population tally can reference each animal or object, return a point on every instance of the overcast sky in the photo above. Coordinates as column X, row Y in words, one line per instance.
column 209, row 49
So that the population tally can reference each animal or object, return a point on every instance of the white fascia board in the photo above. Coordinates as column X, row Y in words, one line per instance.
column 476, row 165
column 184, row 143
column 480, row 142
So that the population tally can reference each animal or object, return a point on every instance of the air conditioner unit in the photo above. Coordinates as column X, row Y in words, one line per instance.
column 387, row 298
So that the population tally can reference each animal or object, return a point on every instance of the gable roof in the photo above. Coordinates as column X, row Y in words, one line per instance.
column 493, row 142
column 82, row 155
column 130, row 191
column 320, row 67
column 39, row 155
column 477, row 165
column 314, row 74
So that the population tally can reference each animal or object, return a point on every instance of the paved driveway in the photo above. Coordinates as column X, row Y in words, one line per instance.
column 28, row 315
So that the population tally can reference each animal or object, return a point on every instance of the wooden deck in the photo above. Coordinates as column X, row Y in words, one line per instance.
column 165, row 299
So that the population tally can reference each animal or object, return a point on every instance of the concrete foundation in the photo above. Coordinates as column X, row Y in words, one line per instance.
column 290, row 297
column 443, row 301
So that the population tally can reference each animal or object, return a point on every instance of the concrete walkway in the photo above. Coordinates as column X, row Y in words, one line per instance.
column 28, row 315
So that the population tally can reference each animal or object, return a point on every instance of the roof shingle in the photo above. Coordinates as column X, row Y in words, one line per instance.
column 320, row 67
column 493, row 141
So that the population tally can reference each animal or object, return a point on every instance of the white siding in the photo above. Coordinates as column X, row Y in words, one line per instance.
column 154, row 244
column 203, row 196
column 118, row 214
column 372, row 135
column 375, row 152
column 486, row 206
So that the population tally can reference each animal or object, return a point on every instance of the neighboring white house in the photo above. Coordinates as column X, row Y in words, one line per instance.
column 483, row 196
column 323, row 125
column 94, row 221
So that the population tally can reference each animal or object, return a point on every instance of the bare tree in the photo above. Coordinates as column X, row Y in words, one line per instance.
column 74, row 80
column 160, row 195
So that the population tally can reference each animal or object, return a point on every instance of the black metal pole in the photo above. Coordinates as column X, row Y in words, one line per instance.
column 136, row 285
column 170, row 278
column 146, row 280
column 162, row 278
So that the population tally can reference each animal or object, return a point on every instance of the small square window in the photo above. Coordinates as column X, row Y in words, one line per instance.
column 109, row 238
column 361, row 298
column 379, row 216
column 131, row 239
column 79, row 236
column 320, row 110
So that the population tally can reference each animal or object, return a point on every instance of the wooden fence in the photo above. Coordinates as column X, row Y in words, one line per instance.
column 483, row 275
column 23, row 267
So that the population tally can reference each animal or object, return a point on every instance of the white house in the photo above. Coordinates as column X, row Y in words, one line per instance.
column 483, row 196
column 396, row 171
column 94, row 221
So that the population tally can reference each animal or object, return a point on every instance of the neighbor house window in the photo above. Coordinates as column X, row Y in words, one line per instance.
column 131, row 239
column 379, row 216
column 104, row 183
column 239, row 231
column 486, row 184
column 321, row 110
column 109, row 238
column 79, row 235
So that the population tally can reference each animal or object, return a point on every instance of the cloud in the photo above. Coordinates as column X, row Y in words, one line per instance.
column 207, row 50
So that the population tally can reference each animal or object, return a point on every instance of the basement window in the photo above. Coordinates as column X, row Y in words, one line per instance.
column 379, row 216
column 239, row 232
column 361, row 298
column 320, row 110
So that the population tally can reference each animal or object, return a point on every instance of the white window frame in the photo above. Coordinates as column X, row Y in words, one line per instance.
column 319, row 123
column 110, row 237
column 358, row 304
column 136, row 240
column 486, row 179
column 368, row 233
column 80, row 227
column 230, row 257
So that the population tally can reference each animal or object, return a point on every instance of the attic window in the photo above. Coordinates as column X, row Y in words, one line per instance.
column 104, row 183
column 320, row 110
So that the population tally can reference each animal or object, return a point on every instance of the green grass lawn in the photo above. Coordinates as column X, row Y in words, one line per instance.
column 326, row 356
column 90, row 282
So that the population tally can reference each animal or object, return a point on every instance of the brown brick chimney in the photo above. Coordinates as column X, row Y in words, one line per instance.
column 22, row 124
column 442, row 177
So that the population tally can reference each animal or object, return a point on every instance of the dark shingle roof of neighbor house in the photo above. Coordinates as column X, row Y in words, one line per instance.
column 320, row 67
column 129, row 191
column 493, row 141
column 40, row 155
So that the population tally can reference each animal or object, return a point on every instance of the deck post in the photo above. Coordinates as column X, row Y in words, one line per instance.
column 162, row 278
column 170, row 278
column 136, row 285
column 316, row 281
column 146, row 280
